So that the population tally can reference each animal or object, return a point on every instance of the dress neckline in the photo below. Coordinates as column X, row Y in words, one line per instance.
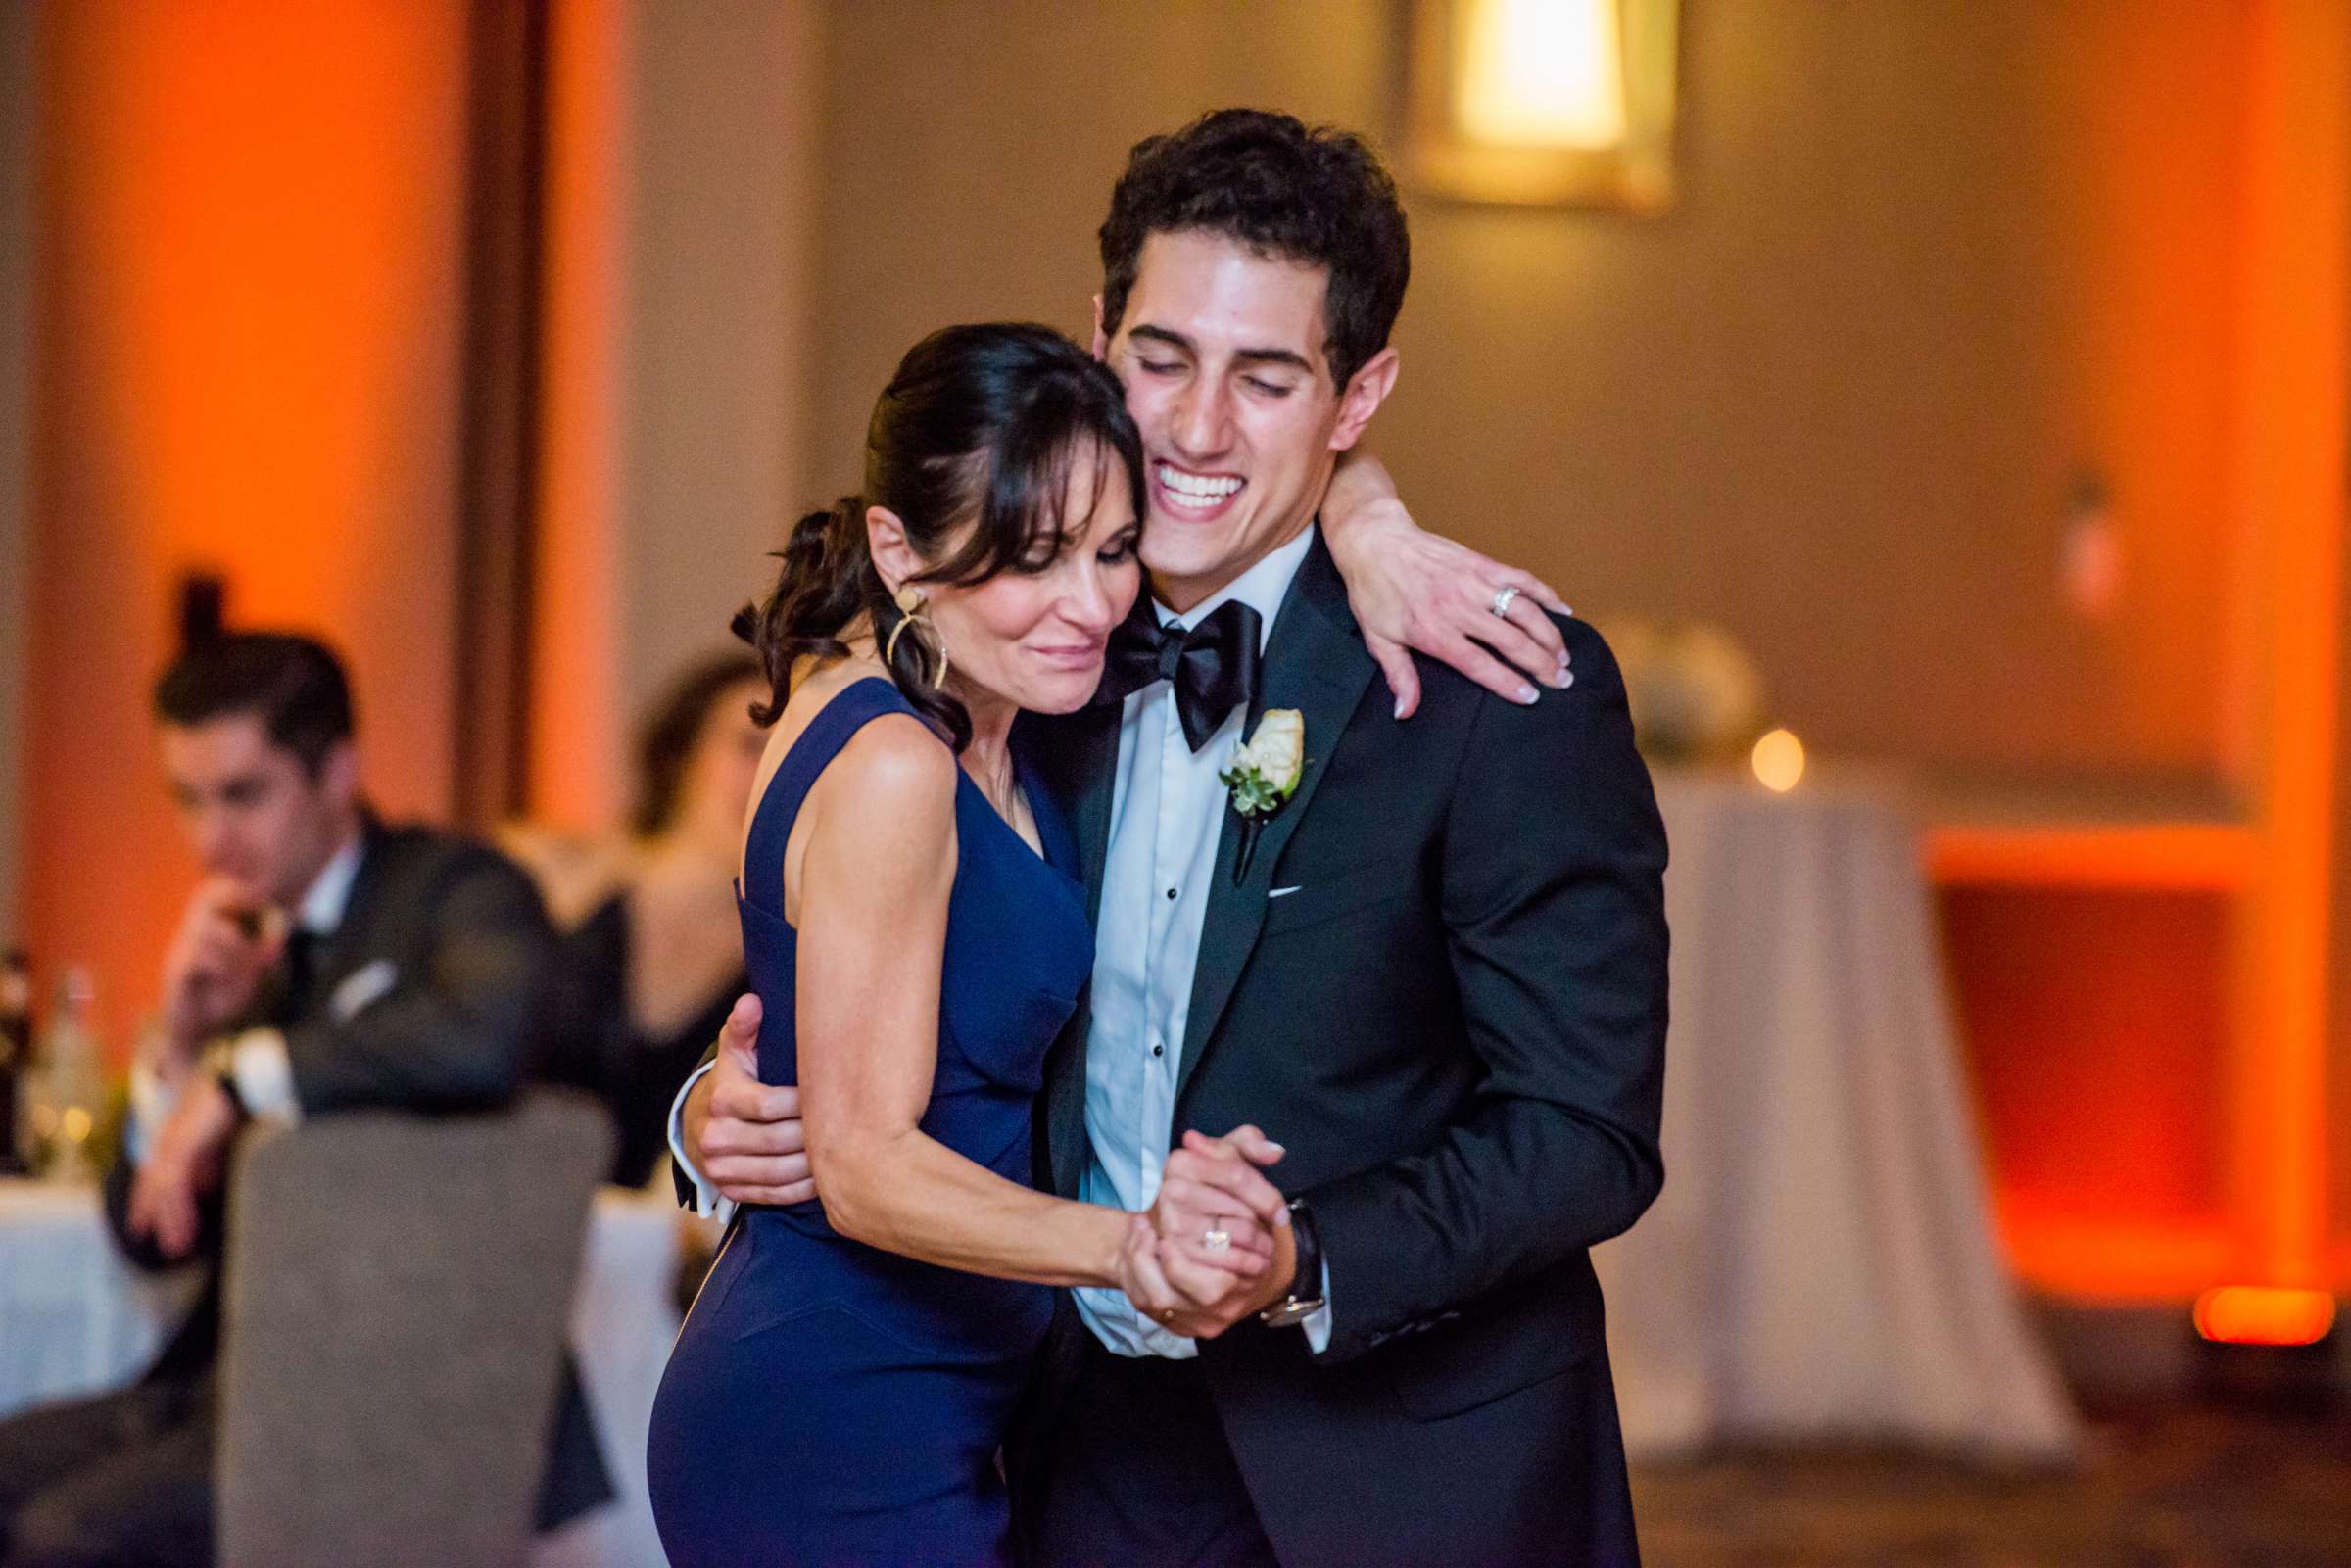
column 1023, row 776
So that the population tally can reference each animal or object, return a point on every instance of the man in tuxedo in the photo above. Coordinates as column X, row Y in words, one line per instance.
column 327, row 962
column 1435, row 973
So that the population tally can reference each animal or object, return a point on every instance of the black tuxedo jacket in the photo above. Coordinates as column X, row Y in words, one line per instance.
column 1452, row 1017
column 460, row 1028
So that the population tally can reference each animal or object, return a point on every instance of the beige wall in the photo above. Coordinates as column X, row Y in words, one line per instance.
column 17, row 206
column 1931, row 259
column 723, row 143
column 681, row 161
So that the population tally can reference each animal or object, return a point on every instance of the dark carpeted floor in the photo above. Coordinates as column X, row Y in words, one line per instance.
column 2180, row 1488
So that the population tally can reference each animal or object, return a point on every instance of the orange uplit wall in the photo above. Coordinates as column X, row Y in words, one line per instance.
column 2291, row 443
column 247, row 360
column 576, row 726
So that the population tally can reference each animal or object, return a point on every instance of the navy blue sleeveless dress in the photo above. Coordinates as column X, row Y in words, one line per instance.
column 828, row 1402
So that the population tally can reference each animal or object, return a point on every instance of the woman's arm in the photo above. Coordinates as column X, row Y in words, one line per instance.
column 874, row 881
column 1412, row 589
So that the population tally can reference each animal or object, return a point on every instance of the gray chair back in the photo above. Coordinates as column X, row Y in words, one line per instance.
column 394, row 1317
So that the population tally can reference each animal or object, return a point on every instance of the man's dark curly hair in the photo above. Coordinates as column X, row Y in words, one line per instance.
column 1320, row 195
column 293, row 683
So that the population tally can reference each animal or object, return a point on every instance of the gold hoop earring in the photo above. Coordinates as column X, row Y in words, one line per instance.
column 911, row 603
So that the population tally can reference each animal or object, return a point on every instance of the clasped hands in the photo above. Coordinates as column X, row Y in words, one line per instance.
column 747, row 1140
column 1168, row 1269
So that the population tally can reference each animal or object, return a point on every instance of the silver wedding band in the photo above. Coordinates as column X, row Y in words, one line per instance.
column 1502, row 599
column 1216, row 1241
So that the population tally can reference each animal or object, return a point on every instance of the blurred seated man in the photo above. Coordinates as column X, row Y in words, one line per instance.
column 327, row 962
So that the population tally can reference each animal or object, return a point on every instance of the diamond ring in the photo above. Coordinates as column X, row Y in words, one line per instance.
column 1216, row 1241
column 1502, row 597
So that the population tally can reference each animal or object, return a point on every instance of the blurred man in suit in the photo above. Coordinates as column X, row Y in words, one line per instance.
column 327, row 962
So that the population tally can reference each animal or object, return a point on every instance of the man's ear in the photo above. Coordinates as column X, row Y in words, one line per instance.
column 893, row 553
column 1366, row 389
column 1101, row 337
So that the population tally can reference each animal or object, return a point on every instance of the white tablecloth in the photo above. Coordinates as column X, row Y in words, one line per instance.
column 1822, row 1262
column 75, row 1319
column 73, row 1316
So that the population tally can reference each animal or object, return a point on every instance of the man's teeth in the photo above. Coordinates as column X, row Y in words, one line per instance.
column 1195, row 489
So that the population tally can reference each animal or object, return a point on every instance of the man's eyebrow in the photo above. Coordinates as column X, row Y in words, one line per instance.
column 1289, row 357
column 1174, row 340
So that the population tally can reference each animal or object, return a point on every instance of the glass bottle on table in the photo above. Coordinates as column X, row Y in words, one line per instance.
column 68, row 1091
column 16, row 1060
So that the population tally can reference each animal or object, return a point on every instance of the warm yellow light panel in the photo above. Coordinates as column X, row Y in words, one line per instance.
column 1541, row 73
column 1779, row 761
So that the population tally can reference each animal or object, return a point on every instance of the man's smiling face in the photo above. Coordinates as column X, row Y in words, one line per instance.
column 1224, row 354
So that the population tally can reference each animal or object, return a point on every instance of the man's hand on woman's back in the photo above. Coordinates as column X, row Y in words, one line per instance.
column 745, row 1135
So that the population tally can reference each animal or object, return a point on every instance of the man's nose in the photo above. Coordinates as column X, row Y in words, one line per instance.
column 216, row 841
column 1203, row 421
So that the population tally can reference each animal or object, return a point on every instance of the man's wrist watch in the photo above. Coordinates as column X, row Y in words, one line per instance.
column 219, row 1063
column 1305, row 1297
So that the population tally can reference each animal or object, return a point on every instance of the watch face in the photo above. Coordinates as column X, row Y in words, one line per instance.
column 1289, row 1312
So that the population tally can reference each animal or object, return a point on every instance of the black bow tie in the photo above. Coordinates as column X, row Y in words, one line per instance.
column 1214, row 665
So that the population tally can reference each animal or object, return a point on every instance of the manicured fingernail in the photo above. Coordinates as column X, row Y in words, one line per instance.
column 1527, row 694
column 1400, row 707
column 1566, row 679
column 1281, row 1216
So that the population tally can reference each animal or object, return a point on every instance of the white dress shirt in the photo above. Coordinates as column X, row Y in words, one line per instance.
column 258, row 1057
column 1166, row 817
column 1167, row 814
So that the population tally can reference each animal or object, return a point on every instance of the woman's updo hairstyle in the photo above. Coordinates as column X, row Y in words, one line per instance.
column 981, row 425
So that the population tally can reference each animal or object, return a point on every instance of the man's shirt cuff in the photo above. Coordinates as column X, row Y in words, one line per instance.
column 706, row 1199
column 1318, row 1327
column 264, row 1074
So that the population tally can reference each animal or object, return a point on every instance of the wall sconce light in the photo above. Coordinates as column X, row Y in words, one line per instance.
column 1543, row 101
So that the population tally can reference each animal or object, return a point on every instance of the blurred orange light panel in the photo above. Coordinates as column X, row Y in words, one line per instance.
column 250, row 225
column 2249, row 1315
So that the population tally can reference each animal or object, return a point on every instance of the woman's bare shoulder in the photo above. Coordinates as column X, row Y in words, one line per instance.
column 894, row 780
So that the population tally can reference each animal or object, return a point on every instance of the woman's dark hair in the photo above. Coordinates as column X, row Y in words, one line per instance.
column 667, row 738
column 1318, row 196
column 292, row 682
column 982, row 425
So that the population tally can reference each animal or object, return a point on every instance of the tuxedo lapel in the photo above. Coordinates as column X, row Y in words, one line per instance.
column 1094, row 749
column 1316, row 662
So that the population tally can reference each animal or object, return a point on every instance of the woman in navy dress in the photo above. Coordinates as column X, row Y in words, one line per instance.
column 917, row 935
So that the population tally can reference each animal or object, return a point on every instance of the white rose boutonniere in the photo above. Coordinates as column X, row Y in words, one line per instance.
column 1263, row 775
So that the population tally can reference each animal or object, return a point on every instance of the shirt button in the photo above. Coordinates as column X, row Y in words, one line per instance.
column 1159, row 1050
column 1171, row 893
